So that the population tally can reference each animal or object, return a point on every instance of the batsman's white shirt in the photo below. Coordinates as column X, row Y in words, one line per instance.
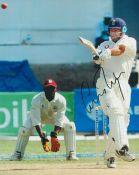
column 117, row 67
column 42, row 111
column 122, row 63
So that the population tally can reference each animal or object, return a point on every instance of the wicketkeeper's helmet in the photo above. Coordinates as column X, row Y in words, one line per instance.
column 117, row 23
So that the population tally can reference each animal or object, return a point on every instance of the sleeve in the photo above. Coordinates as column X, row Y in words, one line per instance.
column 131, row 47
column 60, row 117
column 103, row 53
column 35, row 112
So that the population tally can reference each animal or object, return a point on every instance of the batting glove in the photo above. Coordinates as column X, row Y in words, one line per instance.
column 95, row 56
column 55, row 145
column 45, row 141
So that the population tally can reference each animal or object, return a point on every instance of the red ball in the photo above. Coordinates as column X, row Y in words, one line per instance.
column 4, row 5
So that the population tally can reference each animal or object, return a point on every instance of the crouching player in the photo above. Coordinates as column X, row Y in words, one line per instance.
column 47, row 107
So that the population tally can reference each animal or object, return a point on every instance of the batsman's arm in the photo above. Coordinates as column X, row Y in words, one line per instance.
column 107, row 53
column 118, row 50
column 98, row 54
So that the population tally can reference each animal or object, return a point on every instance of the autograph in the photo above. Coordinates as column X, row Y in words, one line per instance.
column 109, row 85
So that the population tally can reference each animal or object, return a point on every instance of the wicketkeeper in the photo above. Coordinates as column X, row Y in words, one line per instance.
column 47, row 107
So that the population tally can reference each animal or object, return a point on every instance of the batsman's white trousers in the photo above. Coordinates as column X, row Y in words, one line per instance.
column 115, row 101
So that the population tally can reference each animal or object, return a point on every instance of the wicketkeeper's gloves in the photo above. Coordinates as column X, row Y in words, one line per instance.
column 55, row 145
column 45, row 141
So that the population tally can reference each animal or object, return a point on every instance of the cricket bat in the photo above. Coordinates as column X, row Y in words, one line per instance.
column 88, row 44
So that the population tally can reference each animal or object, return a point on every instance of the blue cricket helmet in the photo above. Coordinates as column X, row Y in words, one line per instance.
column 117, row 23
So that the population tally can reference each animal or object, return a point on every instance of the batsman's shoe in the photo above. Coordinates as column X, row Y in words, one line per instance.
column 111, row 162
column 125, row 155
column 72, row 156
column 16, row 156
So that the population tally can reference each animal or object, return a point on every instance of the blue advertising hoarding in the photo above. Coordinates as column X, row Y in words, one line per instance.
column 85, row 104
column 134, row 111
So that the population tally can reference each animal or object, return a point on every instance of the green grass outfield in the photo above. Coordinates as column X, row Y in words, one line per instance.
column 38, row 162
column 86, row 149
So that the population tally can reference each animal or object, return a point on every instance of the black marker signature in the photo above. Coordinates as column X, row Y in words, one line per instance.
column 116, row 80
column 91, row 106
column 94, row 102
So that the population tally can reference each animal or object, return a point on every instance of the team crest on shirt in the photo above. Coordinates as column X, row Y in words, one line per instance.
column 107, row 46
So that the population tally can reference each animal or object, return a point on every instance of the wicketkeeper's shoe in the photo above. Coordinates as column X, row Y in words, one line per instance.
column 72, row 156
column 125, row 155
column 16, row 156
column 111, row 162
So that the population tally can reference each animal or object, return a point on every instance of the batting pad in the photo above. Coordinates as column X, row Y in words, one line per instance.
column 69, row 137
column 118, row 129
column 110, row 148
column 22, row 140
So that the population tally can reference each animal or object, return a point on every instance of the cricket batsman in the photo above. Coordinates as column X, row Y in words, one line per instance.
column 116, row 58
column 47, row 107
